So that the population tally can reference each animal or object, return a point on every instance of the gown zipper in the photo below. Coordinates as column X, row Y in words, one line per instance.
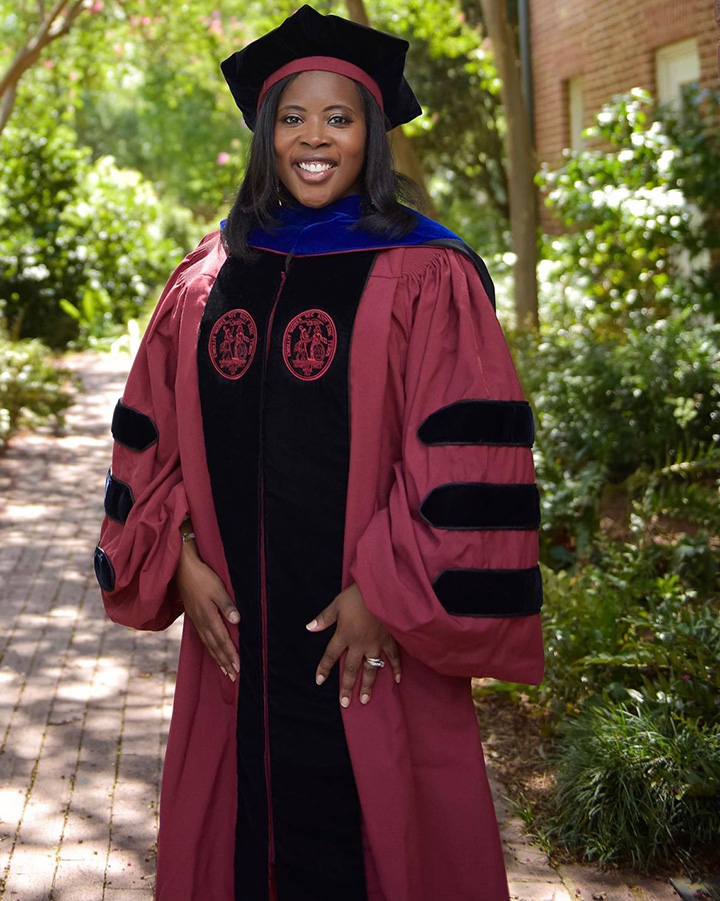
column 263, row 591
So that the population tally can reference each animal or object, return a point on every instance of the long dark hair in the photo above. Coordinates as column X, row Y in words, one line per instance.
column 383, row 189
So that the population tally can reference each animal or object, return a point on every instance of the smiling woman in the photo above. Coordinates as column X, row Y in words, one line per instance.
column 320, row 147
column 345, row 511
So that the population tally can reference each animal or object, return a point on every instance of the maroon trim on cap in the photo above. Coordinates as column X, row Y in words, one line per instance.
column 323, row 64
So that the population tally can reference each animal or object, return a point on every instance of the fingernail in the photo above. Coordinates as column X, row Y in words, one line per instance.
column 344, row 702
column 397, row 677
column 364, row 699
column 236, row 667
column 311, row 625
column 319, row 679
column 224, row 671
column 234, row 617
column 231, row 677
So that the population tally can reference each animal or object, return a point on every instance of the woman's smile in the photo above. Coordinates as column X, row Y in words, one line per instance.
column 314, row 170
column 320, row 138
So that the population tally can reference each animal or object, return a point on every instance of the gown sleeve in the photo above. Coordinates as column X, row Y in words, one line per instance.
column 145, row 502
column 450, row 564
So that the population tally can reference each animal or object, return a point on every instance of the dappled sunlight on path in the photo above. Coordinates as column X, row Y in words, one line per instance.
column 84, row 704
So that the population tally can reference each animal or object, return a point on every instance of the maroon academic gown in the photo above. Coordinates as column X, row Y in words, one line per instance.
column 440, row 534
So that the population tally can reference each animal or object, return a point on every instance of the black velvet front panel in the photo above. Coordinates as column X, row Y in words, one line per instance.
column 507, row 423
column 231, row 425
column 133, row 429
column 482, row 505
column 276, row 424
column 490, row 592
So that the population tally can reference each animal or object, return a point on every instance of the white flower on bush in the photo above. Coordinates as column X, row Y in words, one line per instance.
column 37, row 273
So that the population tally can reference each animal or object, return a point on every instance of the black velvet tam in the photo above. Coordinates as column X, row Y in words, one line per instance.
column 309, row 33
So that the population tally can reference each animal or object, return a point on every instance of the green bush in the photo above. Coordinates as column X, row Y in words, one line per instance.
column 610, row 406
column 33, row 390
column 639, row 785
column 638, row 224
column 81, row 241
column 626, row 374
column 629, row 628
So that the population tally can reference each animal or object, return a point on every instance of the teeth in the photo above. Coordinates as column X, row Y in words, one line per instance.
column 315, row 167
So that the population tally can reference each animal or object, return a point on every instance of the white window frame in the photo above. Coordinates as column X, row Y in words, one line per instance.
column 576, row 111
column 676, row 66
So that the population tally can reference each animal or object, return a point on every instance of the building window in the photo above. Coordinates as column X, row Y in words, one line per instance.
column 677, row 66
column 576, row 112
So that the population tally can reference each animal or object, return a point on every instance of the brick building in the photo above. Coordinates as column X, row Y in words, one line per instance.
column 585, row 51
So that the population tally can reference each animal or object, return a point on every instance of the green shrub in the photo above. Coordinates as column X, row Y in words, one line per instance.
column 610, row 406
column 636, row 785
column 81, row 242
column 32, row 389
column 629, row 626
column 626, row 375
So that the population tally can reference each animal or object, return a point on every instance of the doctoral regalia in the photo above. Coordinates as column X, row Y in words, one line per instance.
column 343, row 408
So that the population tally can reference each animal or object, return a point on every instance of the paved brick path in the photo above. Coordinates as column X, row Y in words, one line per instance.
column 85, row 704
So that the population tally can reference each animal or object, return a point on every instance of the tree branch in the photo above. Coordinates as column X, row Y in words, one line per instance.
column 53, row 26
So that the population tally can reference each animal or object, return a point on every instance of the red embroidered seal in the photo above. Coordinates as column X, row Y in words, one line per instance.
column 309, row 344
column 232, row 343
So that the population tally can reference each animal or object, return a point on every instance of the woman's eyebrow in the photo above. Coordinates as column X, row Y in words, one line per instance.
column 302, row 109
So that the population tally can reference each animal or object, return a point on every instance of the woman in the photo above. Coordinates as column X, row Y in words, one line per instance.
column 323, row 458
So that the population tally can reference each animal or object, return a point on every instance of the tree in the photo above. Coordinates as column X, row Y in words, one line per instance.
column 522, row 164
column 406, row 160
column 50, row 25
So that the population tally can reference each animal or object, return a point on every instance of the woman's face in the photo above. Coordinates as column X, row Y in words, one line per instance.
column 320, row 138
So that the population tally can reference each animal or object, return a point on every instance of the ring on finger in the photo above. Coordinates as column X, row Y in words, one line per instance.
column 375, row 661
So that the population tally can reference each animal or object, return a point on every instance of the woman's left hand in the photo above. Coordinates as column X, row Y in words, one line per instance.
column 362, row 635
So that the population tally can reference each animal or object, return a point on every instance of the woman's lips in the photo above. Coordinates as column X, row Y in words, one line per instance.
column 313, row 177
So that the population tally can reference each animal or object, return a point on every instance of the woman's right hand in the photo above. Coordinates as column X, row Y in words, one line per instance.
column 207, row 604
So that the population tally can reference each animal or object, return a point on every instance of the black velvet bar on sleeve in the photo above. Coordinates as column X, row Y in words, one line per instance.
column 507, row 423
column 104, row 572
column 133, row 429
column 119, row 498
column 482, row 506
column 490, row 592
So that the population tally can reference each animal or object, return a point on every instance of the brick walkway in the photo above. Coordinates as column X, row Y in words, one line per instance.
column 85, row 704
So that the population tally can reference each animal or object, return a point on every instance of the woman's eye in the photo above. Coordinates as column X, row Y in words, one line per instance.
column 290, row 119
column 343, row 119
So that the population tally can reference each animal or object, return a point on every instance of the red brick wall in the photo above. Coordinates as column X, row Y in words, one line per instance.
column 612, row 44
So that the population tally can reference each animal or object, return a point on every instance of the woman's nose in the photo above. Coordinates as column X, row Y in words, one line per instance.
column 315, row 134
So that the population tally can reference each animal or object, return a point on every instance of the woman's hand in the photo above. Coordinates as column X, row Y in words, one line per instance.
column 206, row 603
column 362, row 635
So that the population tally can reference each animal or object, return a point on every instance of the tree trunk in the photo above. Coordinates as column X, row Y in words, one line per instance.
column 406, row 160
column 522, row 164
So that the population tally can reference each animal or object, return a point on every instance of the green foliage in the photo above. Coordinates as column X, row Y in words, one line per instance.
column 632, row 626
column 81, row 242
column 628, row 215
column 637, row 784
column 32, row 389
column 626, row 374
column 614, row 406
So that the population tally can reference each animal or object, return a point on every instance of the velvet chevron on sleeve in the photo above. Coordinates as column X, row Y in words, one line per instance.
column 449, row 562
